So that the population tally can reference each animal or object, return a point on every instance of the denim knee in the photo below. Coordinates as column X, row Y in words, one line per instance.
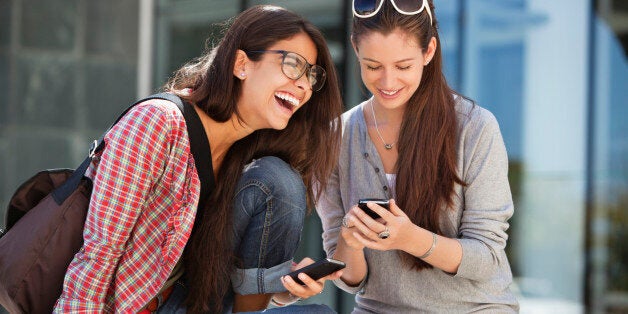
column 275, row 181
column 269, row 211
column 268, row 215
column 276, row 175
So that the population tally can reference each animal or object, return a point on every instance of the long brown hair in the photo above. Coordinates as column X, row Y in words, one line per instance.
column 426, row 166
column 309, row 143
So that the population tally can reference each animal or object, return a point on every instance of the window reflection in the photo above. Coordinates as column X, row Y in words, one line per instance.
column 609, row 187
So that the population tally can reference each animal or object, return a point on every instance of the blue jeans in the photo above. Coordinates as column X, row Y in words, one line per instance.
column 269, row 211
column 268, row 215
column 175, row 305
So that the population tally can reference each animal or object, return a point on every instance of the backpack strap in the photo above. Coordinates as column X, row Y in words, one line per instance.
column 199, row 146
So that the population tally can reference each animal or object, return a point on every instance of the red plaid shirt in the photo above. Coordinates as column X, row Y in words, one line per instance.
column 141, row 213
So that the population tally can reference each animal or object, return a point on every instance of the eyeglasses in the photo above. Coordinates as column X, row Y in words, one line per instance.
column 368, row 8
column 294, row 65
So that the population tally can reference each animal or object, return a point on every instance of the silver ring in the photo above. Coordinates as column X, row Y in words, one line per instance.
column 384, row 234
column 344, row 222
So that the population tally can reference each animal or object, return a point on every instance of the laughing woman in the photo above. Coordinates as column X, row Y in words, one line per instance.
column 266, row 96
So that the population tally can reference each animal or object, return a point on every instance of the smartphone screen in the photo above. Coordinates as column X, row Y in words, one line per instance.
column 379, row 201
column 318, row 270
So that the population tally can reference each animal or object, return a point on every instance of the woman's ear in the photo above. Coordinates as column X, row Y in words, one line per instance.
column 431, row 50
column 239, row 67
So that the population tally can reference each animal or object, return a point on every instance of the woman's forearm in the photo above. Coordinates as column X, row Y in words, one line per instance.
column 441, row 252
column 355, row 271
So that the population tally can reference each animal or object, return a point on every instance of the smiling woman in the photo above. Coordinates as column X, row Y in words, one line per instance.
column 440, row 160
column 268, row 99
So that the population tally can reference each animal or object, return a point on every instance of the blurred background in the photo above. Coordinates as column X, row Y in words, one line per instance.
column 554, row 73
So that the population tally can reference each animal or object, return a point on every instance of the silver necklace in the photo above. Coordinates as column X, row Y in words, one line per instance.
column 387, row 146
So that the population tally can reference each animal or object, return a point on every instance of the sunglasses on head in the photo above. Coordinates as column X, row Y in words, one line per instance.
column 294, row 65
column 368, row 8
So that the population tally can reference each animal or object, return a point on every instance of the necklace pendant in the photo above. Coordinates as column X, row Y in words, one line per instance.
column 388, row 146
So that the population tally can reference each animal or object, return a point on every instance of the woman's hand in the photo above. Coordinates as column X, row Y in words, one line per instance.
column 311, row 288
column 348, row 232
column 390, row 232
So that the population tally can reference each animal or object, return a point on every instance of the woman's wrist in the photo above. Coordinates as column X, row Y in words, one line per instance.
column 284, row 298
column 431, row 249
column 343, row 245
column 423, row 246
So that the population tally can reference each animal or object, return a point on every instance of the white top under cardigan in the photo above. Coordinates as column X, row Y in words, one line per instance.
column 479, row 220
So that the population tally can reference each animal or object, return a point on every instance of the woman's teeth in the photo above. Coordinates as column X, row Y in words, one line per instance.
column 289, row 98
column 389, row 93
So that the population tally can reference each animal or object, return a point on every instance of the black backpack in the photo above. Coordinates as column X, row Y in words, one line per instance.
column 45, row 220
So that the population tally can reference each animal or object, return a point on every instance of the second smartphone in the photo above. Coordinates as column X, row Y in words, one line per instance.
column 318, row 270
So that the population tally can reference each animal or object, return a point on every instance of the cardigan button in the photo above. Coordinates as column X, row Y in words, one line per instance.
column 385, row 188
column 366, row 155
column 377, row 170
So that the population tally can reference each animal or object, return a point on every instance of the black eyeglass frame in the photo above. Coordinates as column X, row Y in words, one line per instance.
column 307, row 69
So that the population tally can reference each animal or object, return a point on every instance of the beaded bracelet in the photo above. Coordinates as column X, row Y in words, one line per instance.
column 429, row 252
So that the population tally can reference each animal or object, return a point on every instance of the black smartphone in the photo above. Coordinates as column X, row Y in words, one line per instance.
column 379, row 201
column 318, row 270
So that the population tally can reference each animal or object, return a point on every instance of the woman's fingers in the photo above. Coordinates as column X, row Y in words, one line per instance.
column 370, row 243
column 395, row 210
column 310, row 288
column 333, row 276
column 369, row 227
column 304, row 262
column 381, row 211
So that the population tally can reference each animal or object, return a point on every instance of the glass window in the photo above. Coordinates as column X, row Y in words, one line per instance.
column 526, row 61
column 182, row 30
column 67, row 69
column 608, row 229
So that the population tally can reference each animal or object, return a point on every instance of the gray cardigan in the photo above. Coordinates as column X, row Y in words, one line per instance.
column 479, row 221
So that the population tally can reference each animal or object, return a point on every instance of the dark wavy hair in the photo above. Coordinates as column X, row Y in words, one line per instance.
column 426, row 166
column 309, row 143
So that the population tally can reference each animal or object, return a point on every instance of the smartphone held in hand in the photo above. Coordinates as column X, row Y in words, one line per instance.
column 379, row 201
column 318, row 270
